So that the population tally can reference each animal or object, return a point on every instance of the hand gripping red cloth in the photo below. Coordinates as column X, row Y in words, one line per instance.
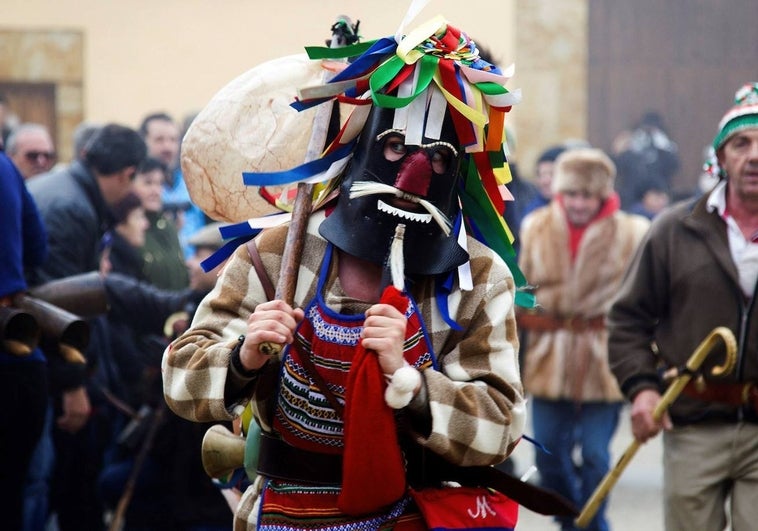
column 373, row 473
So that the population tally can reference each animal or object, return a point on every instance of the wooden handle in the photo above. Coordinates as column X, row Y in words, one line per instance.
column 293, row 251
column 602, row 490
column 301, row 211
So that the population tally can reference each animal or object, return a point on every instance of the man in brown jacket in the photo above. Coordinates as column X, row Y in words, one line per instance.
column 696, row 270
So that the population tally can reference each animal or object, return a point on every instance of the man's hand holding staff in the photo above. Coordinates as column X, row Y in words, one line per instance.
column 673, row 391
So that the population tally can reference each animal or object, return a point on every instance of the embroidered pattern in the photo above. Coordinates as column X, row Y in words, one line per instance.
column 332, row 332
column 315, row 510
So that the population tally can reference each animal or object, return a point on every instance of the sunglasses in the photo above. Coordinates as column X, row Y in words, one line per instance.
column 33, row 156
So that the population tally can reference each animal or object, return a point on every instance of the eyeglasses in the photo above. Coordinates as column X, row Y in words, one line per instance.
column 34, row 156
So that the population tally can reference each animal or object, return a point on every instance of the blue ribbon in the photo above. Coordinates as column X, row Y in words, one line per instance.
column 299, row 173
column 210, row 263
column 444, row 286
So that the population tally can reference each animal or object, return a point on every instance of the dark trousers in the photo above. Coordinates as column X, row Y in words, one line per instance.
column 78, row 460
column 23, row 395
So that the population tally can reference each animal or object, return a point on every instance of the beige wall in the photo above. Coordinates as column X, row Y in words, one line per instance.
column 551, row 49
column 140, row 56
column 143, row 55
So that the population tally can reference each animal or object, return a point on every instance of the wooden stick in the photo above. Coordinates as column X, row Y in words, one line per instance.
column 117, row 523
column 293, row 252
column 673, row 391
column 301, row 211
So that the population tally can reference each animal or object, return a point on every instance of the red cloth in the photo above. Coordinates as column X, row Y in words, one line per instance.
column 373, row 473
column 456, row 508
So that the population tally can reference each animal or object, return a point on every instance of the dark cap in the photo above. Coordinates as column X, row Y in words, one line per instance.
column 550, row 154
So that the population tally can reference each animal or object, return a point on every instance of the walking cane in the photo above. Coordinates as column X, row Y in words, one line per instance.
column 117, row 523
column 674, row 389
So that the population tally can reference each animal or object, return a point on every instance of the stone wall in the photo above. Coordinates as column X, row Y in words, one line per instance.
column 55, row 57
column 551, row 70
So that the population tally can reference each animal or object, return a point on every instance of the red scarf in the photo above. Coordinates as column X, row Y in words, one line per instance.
column 373, row 473
column 609, row 207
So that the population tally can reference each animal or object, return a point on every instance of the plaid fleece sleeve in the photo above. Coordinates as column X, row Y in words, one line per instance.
column 195, row 365
column 476, row 400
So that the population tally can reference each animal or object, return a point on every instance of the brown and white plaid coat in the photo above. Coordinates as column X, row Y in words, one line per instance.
column 475, row 400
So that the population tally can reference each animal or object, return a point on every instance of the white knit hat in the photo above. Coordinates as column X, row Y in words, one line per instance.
column 743, row 115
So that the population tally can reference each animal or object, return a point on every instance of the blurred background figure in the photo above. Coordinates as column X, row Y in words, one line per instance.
column 163, row 258
column 124, row 242
column 23, row 376
column 161, row 135
column 575, row 251
column 646, row 157
column 653, row 201
column 172, row 490
column 543, row 178
column 75, row 203
column 31, row 148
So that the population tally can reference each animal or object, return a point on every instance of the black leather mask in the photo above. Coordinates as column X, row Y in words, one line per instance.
column 364, row 226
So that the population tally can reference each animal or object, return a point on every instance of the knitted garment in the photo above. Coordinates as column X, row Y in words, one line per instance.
column 743, row 115
column 371, row 479
column 373, row 469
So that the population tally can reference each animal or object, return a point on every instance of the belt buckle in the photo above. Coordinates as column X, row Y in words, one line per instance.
column 574, row 324
column 748, row 393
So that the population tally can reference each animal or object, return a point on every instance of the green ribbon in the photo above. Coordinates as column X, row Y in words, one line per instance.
column 385, row 73
column 491, row 89
column 324, row 52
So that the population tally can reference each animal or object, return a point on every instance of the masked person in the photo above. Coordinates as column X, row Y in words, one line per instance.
column 377, row 389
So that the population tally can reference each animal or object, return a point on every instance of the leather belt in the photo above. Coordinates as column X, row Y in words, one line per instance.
column 735, row 394
column 279, row 460
column 540, row 322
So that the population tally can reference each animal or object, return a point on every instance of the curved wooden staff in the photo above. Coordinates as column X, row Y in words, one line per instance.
column 674, row 389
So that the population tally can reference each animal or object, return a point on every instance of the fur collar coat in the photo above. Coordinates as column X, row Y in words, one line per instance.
column 565, row 364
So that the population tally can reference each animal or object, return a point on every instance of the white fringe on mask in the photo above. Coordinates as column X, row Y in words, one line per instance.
column 365, row 188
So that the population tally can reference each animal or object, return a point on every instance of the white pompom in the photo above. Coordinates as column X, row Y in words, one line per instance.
column 399, row 392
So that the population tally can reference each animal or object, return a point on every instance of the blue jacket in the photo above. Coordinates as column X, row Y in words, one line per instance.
column 23, row 239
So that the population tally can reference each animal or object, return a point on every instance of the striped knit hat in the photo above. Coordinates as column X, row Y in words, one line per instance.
column 744, row 115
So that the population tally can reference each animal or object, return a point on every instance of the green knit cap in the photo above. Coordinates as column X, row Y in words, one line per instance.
column 744, row 115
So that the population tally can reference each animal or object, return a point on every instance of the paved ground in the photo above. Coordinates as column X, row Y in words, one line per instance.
column 635, row 501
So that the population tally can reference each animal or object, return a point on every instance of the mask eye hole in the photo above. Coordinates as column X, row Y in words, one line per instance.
column 441, row 160
column 394, row 147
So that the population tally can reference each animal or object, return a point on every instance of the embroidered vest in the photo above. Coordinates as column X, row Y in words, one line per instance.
column 303, row 416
